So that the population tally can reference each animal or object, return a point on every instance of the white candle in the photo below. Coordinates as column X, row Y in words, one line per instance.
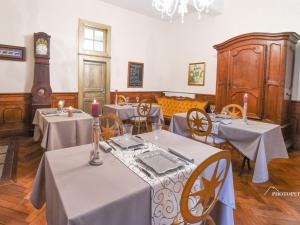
column 245, row 99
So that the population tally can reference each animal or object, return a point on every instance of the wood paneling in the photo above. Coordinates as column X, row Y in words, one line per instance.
column 133, row 94
column 71, row 99
column 295, row 121
column 14, row 113
column 205, row 97
column 15, row 110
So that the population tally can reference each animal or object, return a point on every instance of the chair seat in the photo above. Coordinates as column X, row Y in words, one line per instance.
column 211, row 139
column 138, row 118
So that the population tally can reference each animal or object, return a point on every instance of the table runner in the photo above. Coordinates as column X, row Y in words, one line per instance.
column 62, row 131
column 127, row 112
column 111, row 194
column 260, row 142
column 165, row 190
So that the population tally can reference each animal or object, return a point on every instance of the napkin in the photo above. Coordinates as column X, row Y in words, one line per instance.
column 226, row 121
column 104, row 146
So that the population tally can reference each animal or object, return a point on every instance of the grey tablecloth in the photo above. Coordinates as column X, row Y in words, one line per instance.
column 111, row 194
column 62, row 131
column 258, row 141
column 126, row 112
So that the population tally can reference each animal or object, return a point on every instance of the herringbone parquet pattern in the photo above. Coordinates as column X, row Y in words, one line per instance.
column 253, row 207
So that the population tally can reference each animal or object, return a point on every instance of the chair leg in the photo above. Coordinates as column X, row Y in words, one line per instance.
column 245, row 161
column 146, row 122
column 139, row 127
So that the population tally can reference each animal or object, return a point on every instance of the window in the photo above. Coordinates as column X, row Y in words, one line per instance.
column 94, row 39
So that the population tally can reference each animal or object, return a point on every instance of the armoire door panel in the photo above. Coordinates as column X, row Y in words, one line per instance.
column 222, row 80
column 275, row 63
column 246, row 75
column 272, row 104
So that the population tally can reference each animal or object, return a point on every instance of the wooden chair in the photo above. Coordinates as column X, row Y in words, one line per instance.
column 111, row 126
column 237, row 111
column 234, row 110
column 197, row 204
column 200, row 127
column 121, row 100
column 143, row 110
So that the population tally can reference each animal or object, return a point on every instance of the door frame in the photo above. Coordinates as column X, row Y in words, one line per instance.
column 81, row 59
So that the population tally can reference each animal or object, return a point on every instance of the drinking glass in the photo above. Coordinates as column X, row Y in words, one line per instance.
column 137, row 98
column 127, row 133
column 212, row 110
column 156, row 128
column 127, row 99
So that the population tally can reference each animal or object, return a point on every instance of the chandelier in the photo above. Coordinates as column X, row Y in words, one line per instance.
column 170, row 7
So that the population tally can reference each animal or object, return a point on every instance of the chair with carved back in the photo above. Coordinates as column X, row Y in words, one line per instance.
column 200, row 127
column 198, row 200
column 121, row 99
column 143, row 114
column 237, row 112
column 111, row 126
column 233, row 110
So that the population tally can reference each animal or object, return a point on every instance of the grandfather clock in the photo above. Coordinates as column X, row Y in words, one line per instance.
column 41, row 89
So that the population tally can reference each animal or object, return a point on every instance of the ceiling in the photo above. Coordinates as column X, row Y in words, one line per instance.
column 145, row 7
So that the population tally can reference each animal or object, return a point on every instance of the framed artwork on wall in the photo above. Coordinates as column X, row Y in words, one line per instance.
column 196, row 76
column 9, row 52
column 135, row 75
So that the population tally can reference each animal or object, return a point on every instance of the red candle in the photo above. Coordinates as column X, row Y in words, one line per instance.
column 246, row 98
column 95, row 108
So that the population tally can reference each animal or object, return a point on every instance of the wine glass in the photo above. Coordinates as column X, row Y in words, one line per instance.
column 127, row 99
column 127, row 130
column 137, row 98
column 156, row 128
column 212, row 110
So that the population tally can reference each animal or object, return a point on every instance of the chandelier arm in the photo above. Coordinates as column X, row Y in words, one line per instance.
column 170, row 12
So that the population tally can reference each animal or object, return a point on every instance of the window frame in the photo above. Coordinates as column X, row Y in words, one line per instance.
column 106, row 38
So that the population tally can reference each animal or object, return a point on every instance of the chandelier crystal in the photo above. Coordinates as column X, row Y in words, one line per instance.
column 170, row 7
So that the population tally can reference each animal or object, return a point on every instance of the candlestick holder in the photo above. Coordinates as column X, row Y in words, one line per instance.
column 95, row 159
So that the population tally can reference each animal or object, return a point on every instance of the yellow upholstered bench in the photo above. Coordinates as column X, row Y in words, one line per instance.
column 171, row 105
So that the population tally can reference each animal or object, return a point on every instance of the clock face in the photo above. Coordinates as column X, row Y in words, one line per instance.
column 41, row 46
column 41, row 92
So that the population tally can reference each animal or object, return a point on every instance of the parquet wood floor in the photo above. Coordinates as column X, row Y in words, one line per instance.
column 253, row 207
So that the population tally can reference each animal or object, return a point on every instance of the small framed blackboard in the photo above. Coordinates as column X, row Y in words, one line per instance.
column 135, row 74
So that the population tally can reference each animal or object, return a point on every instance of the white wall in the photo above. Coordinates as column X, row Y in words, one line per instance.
column 193, row 41
column 134, row 38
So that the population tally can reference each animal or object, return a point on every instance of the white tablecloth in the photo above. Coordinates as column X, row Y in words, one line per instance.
column 259, row 141
column 127, row 112
column 62, row 131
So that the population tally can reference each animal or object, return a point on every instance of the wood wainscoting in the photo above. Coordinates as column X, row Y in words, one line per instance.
column 205, row 97
column 133, row 94
column 295, row 121
column 71, row 99
column 15, row 111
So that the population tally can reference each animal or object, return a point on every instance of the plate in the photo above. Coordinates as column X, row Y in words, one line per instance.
column 160, row 162
column 130, row 143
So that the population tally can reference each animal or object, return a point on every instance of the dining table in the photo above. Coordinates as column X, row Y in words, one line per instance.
column 118, row 192
column 258, row 141
column 57, row 130
column 128, row 111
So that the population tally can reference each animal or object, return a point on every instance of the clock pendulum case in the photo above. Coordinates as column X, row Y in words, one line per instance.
column 41, row 89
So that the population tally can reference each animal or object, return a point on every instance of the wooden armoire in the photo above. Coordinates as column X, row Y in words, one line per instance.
column 262, row 65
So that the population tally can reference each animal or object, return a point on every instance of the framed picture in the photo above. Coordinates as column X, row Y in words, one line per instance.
column 8, row 52
column 135, row 75
column 196, row 74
